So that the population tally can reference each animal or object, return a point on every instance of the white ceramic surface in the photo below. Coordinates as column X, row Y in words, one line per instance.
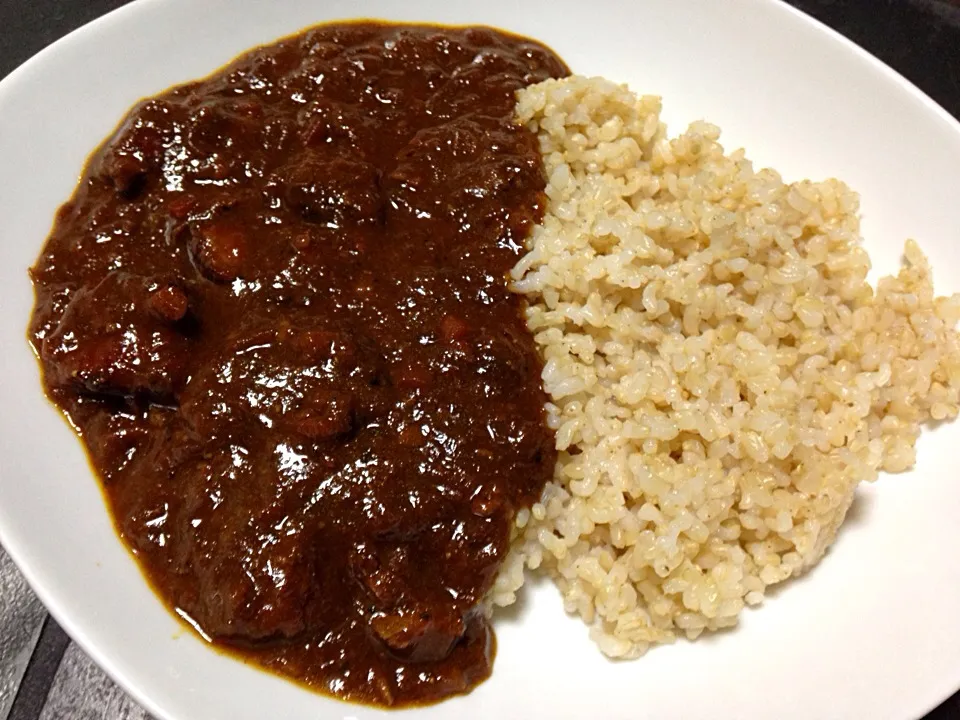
column 873, row 632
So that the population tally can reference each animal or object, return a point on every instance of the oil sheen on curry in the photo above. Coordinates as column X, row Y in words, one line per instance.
column 276, row 311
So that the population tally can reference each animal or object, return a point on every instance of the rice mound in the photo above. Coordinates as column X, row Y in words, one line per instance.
column 721, row 375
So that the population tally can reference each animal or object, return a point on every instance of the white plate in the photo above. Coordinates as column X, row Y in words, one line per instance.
column 874, row 632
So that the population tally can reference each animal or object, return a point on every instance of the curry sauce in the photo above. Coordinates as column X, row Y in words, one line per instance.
column 276, row 311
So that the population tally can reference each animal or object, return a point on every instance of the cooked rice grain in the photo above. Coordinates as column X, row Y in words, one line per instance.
column 721, row 374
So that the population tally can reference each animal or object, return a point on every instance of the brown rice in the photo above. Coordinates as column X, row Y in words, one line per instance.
column 721, row 374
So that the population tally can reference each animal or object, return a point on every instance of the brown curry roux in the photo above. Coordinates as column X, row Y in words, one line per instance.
column 276, row 311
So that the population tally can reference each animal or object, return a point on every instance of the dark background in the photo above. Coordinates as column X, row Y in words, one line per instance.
column 919, row 38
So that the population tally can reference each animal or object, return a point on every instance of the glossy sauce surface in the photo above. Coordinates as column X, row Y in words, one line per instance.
column 276, row 311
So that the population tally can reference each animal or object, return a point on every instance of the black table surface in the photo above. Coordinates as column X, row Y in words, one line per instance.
column 42, row 675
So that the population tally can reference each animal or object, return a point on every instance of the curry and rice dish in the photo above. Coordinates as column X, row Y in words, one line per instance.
column 379, row 319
